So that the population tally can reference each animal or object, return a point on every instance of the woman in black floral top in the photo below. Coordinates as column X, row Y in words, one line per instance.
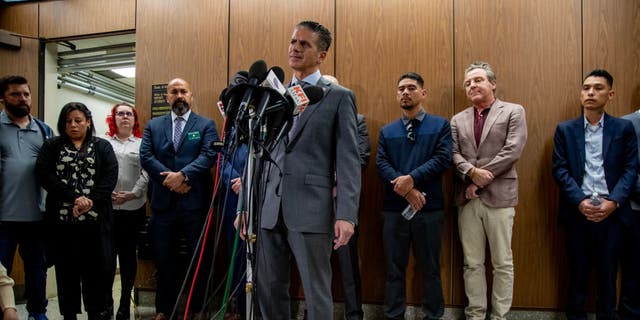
column 79, row 171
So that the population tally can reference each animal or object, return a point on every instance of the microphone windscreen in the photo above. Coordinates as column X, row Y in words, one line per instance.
column 258, row 71
column 221, row 97
column 241, row 76
column 278, row 72
column 314, row 93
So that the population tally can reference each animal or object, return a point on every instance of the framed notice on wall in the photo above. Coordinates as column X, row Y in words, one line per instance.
column 159, row 104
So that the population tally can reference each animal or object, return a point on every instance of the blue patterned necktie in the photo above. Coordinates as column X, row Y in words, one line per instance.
column 177, row 132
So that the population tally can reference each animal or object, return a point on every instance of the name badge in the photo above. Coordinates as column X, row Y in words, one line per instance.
column 193, row 135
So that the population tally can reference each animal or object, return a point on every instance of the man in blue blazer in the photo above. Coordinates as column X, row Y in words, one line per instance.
column 595, row 159
column 176, row 152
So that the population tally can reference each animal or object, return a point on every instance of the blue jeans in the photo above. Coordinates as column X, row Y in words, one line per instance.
column 29, row 237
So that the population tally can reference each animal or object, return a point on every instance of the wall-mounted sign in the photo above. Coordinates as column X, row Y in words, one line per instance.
column 159, row 104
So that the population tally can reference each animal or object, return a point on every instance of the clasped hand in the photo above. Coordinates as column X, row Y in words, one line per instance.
column 81, row 206
column 175, row 182
column 597, row 213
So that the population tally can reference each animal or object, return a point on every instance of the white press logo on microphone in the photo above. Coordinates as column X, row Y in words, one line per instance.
column 272, row 81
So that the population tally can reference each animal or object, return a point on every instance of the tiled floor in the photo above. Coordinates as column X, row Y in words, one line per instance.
column 372, row 312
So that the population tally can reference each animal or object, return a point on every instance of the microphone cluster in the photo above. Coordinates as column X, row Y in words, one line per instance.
column 259, row 95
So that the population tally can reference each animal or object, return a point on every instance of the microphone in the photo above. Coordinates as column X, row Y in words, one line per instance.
column 282, row 123
column 302, row 97
column 274, row 80
column 272, row 87
column 230, row 96
column 240, row 77
column 257, row 73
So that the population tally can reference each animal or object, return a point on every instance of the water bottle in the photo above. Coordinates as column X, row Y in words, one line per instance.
column 595, row 199
column 408, row 212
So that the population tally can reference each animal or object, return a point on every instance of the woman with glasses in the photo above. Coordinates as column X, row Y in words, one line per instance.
column 128, row 199
column 79, row 171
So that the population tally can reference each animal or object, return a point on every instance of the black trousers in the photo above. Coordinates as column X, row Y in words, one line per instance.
column 348, row 261
column 424, row 232
column 629, row 307
column 80, row 269
column 167, row 227
column 126, row 230
column 592, row 245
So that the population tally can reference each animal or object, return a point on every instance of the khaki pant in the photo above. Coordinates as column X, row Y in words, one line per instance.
column 477, row 222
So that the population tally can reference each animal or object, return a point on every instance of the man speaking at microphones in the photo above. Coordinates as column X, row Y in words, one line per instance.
column 297, row 213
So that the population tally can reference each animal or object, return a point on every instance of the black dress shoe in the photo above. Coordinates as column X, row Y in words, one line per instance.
column 123, row 314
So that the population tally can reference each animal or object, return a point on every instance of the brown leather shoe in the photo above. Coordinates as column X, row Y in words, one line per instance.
column 160, row 316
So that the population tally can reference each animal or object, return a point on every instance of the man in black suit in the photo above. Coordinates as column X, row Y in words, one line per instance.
column 298, row 213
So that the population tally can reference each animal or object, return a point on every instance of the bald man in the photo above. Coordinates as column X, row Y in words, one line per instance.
column 176, row 152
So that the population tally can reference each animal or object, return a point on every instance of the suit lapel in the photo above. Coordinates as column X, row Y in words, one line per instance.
column 494, row 112
column 168, row 128
column 306, row 114
column 468, row 125
column 578, row 127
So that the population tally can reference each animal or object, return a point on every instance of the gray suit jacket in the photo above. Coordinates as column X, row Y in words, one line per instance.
column 323, row 144
column 503, row 138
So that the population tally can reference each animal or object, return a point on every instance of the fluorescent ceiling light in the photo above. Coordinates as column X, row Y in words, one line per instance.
column 129, row 72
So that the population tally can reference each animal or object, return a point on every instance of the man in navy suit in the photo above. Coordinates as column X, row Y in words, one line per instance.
column 176, row 152
column 595, row 159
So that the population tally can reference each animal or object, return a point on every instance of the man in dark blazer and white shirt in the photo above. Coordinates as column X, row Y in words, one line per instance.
column 176, row 152
column 488, row 139
column 298, row 210
column 595, row 161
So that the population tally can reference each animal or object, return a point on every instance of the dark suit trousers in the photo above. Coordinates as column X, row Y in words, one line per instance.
column 424, row 231
column 348, row 261
column 629, row 307
column 167, row 227
column 312, row 252
column 592, row 245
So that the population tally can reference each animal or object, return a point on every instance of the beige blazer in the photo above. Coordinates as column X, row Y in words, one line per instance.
column 6, row 290
column 503, row 138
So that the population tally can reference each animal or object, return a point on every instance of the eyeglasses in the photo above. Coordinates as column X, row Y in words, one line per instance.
column 124, row 113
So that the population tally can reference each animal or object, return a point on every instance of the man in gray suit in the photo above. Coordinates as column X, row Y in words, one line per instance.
column 298, row 211
column 488, row 139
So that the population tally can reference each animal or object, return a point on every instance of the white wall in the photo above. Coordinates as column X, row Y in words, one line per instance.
column 56, row 98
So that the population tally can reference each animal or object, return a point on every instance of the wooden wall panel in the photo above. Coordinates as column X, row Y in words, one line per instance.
column 535, row 49
column 262, row 30
column 612, row 41
column 377, row 41
column 23, row 62
column 70, row 18
column 21, row 19
column 189, row 44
